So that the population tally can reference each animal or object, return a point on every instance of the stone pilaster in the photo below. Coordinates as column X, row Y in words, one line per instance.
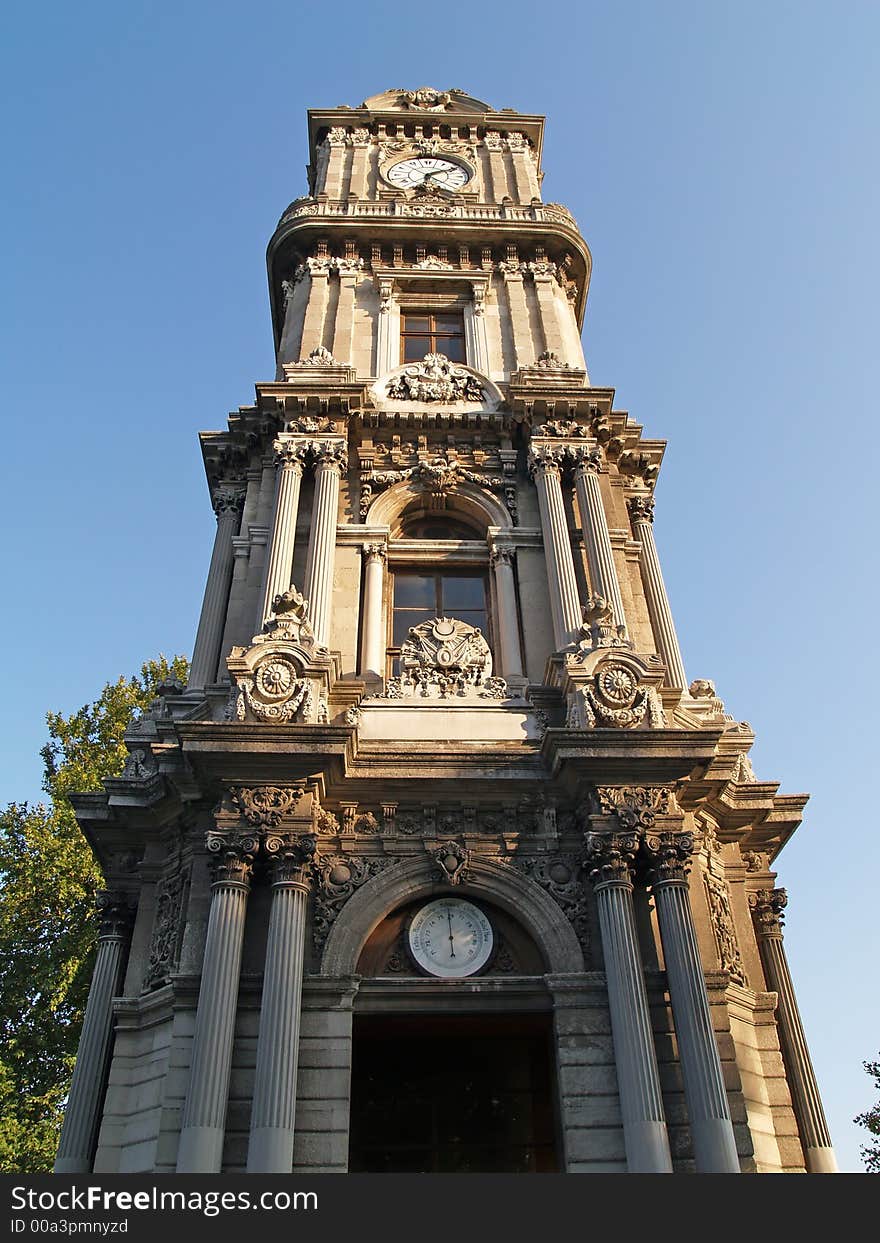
column 331, row 459
column 270, row 1150
column 476, row 338
column 373, row 626
column 767, row 907
column 609, row 858
column 204, row 1115
column 290, row 456
column 597, row 541
column 228, row 503
column 388, row 329
column 669, row 858
column 79, row 1129
column 544, row 276
column 641, row 511
column 545, row 467
column 348, row 271
column 502, row 559
column 316, row 307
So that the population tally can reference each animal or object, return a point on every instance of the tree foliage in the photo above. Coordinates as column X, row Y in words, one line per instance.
column 48, row 881
column 871, row 1119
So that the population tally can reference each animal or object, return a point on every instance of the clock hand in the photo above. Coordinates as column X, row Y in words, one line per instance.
column 451, row 941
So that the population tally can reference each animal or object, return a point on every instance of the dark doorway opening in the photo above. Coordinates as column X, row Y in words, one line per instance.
column 452, row 1095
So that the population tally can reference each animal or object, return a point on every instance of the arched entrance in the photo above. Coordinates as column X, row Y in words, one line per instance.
column 454, row 1075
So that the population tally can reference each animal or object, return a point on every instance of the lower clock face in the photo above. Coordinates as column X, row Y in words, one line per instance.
column 450, row 938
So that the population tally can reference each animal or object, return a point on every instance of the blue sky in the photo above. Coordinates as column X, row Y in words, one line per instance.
column 721, row 162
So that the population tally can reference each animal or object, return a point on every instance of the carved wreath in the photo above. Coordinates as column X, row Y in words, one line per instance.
column 617, row 699
column 274, row 692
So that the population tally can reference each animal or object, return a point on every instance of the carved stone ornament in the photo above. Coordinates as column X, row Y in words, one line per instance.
column 168, row 926
column 559, row 875
column 668, row 855
column 743, row 773
column 445, row 657
column 718, row 898
column 564, row 429
column 435, row 378
column 615, row 699
column 274, row 691
column 451, row 862
column 599, row 629
column 265, row 805
column 319, row 357
column 305, row 423
column 433, row 263
column 140, row 765
column 425, row 99
column 337, row 878
column 438, row 476
column 641, row 508
column 548, row 361
column 636, row 807
column 638, row 465
column 609, row 857
column 767, row 911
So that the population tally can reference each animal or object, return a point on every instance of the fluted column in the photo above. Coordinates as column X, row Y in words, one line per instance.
column 767, row 907
column 331, row 459
column 669, row 858
column 290, row 456
column 597, row 542
column 545, row 467
column 609, row 857
column 641, row 510
column 204, row 1115
column 78, row 1131
column 373, row 626
column 270, row 1149
column 228, row 503
column 502, row 560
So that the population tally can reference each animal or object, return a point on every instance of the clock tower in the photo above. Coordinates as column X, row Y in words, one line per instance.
column 439, row 863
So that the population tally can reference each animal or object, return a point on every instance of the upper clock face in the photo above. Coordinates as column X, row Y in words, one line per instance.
column 428, row 170
column 451, row 938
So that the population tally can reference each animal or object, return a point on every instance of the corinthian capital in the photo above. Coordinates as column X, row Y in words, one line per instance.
column 374, row 552
column 586, row 460
column 668, row 856
column 501, row 554
column 330, row 454
column 545, row 459
column 233, row 856
column 228, row 500
column 767, row 907
column 115, row 913
column 290, row 454
column 610, row 856
column 290, row 858
column 641, row 508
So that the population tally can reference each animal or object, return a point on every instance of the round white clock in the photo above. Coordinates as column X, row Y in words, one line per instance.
column 451, row 938
column 425, row 170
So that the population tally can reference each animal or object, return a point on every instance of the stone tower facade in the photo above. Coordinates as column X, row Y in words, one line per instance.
column 438, row 862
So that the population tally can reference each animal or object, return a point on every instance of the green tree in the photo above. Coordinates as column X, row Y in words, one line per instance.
column 871, row 1119
column 48, row 881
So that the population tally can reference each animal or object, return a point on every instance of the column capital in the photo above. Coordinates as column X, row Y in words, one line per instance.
column 290, row 454
column 374, row 552
column 641, row 508
column 290, row 858
column 233, row 857
column 330, row 455
column 115, row 913
column 767, row 911
column 610, row 857
column 228, row 499
column 668, row 856
column 545, row 460
column 501, row 554
column 586, row 460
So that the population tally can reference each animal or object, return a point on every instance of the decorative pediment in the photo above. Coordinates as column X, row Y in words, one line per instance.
column 436, row 382
column 425, row 99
